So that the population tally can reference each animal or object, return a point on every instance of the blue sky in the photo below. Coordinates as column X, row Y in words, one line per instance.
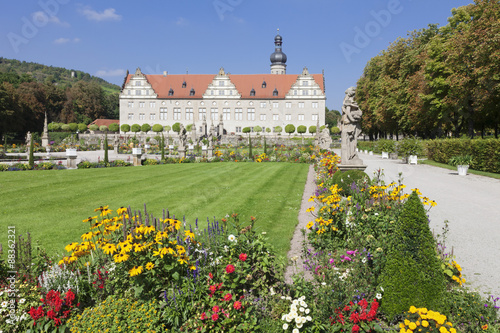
column 107, row 37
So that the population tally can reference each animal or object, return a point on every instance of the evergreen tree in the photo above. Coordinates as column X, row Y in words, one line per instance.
column 162, row 147
column 106, row 161
column 412, row 274
column 31, row 161
column 250, row 155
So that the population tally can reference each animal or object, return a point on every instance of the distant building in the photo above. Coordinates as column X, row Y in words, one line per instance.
column 265, row 100
column 107, row 122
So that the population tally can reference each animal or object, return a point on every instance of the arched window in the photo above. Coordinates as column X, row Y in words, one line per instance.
column 275, row 92
column 264, row 84
column 252, row 92
column 171, row 92
column 191, row 92
column 184, row 84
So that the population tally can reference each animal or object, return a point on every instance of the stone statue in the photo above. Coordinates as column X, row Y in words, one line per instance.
column 325, row 140
column 210, row 137
column 182, row 137
column 28, row 138
column 351, row 129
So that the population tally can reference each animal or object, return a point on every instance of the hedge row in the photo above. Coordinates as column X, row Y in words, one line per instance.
column 485, row 152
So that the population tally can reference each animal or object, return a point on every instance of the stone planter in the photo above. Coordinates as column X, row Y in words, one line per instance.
column 71, row 152
column 393, row 156
column 462, row 169
column 412, row 159
column 385, row 154
column 370, row 153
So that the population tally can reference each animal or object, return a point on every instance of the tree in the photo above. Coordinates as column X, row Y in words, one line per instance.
column 73, row 127
column 278, row 129
column 145, row 128
column 247, row 130
column 31, row 160
column 136, row 128
column 335, row 130
column 290, row 128
column 176, row 127
column 114, row 127
column 301, row 129
column 257, row 129
column 93, row 127
column 268, row 130
column 125, row 128
column 106, row 160
column 168, row 128
column 65, row 127
column 103, row 128
column 312, row 129
column 332, row 117
column 189, row 127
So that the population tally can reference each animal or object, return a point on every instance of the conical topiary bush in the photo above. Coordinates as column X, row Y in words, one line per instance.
column 412, row 274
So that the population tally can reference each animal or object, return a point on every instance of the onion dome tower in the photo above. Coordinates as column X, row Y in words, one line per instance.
column 278, row 58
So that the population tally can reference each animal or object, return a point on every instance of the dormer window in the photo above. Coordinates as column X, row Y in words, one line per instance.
column 184, row 84
column 264, row 84
column 191, row 92
column 275, row 92
column 252, row 92
column 171, row 92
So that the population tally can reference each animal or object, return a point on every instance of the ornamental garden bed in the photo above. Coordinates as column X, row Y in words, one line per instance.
column 375, row 266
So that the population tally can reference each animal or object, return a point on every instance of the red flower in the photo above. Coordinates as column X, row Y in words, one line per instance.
column 228, row 297
column 354, row 318
column 243, row 256
column 203, row 316
column 229, row 269
column 237, row 305
column 371, row 315
column 215, row 308
column 355, row 329
column 215, row 316
column 210, row 275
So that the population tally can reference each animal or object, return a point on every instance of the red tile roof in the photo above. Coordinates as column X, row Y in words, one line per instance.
column 244, row 83
column 107, row 122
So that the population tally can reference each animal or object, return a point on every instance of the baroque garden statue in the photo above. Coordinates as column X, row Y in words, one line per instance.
column 351, row 129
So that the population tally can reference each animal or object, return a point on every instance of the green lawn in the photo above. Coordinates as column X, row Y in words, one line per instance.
column 52, row 204
column 474, row 172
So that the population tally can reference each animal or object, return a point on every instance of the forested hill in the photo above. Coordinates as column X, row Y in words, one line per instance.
column 48, row 74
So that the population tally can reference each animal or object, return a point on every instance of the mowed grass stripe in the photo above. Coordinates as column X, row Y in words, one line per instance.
column 52, row 204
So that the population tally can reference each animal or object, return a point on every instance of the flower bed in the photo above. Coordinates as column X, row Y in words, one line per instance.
column 132, row 270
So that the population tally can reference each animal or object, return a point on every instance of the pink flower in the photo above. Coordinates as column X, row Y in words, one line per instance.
column 203, row 316
column 243, row 256
column 237, row 305
column 229, row 269
column 355, row 329
column 228, row 297
column 215, row 308
column 215, row 316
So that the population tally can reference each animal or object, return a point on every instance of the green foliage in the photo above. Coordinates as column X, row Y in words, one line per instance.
column 31, row 161
column 106, row 159
column 168, row 128
column 176, row 127
column 136, row 128
column 65, row 127
column 250, row 155
column 460, row 160
column 157, row 128
column 82, row 127
column 412, row 274
column 145, row 128
column 73, row 127
column 268, row 130
column 53, row 127
column 189, row 127
column 290, row 128
column 278, row 129
column 345, row 180
column 485, row 153
column 301, row 129
column 334, row 130
column 114, row 127
column 103, row 128
column 125, row 128
column 93, row 127
column 410, row 146
column 119, row 314
column 246, row 130
column 384, row 145
column 257, row 129
column 312, row 129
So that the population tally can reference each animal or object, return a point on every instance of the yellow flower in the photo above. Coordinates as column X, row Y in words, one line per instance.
column 310, row 209
column 193, row 268
column 109, row 248
column 443, row 329
column 412, row 326
column 87, row 236
column 121, row 257
column 149, row 266
column 182, row 260
column 413, row 309
column 189, row 234
column 484, row 327
column 135, row 270
column 407, row 322
column 402, row 330
column 71, row 247
column 121, row 210
column 310, row 225
column 425, row 323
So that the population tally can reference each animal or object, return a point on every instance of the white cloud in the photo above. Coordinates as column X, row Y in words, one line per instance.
column 42, row 18
column 63, row 40
column 110, row 72
column 106, row 15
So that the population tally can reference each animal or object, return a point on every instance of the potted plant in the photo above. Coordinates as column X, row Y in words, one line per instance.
column 462, row 163
column 410, row 148
column 386, row 147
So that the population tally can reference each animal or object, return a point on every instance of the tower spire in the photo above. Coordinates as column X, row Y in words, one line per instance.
column 278, row 58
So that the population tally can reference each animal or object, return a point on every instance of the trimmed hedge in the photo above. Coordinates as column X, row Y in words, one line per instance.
column 485, row 152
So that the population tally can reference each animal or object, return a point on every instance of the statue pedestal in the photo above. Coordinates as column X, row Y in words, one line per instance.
column 182, row 152
column 347, row 167
column 210, row 152
column 71, row 162
column 137, row 154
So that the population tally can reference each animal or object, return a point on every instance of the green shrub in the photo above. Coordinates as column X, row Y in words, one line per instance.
column 103, row 128
column 412, row 274
column 312, row 129
column 410, row 146
column 136, row 128
column 485, row 152
column 366, row 145
column 65, row 127
column 118, row 314
column 150, row 161
column 157, row 128
column 345, row 179
column 114, row 127
column 93, row 127
column 290, row 128
column 82, row 127
column 73, row 127
column 125, row 128
column 145, row 128
column 384, row 145
column 176, row 127
column 460, row 160
column 335, row 130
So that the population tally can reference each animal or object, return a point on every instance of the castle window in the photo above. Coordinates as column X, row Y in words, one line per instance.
column 191, row 92
column 184, row 84
column 264, row 84
column 171, row 92
column 252, row 92
column 275, row 92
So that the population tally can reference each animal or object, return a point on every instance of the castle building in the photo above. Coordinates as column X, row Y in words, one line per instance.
column 239, row 101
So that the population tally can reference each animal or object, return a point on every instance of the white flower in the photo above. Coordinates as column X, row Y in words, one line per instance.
column 231, row 238
column 308, row 318
column 304, row 304
column 307, row 311
column 263, row 232
column 22, row 300
column 301, row 309
column 302, row 298
column 226, row 248
column 376, row 214
column 285, row 326
column 323, row 283
column 283, row 297
column 299, row 325
column 283, row 317
column 381, row 288
column 272, row 291
column 378, row 296
column 4, row 304
column 363, row 260
column 295, row 330
column 288, row 298
column 295, row 301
